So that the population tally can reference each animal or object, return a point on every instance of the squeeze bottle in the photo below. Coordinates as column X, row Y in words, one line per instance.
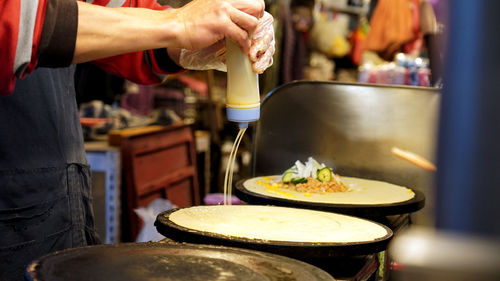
column 242, row 98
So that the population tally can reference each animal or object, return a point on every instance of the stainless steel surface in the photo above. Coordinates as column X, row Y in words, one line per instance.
column 169, row 262
column 351, row 127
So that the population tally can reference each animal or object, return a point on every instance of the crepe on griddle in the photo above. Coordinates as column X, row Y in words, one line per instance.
column 359, row 192
column 272, row 223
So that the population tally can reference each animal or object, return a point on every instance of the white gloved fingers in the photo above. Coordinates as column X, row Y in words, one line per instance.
column 264, row 62
column 211, row 57
column 214, row 57
column 264, row 24
column 262, row 48
column 262, row 36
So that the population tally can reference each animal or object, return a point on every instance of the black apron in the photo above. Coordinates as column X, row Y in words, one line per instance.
column 45, row 201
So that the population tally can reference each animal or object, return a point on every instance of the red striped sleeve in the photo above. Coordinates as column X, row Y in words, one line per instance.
column 20, row 28
column 37, row 33
column 30, row 33
column 147, row 67
column 30, row 36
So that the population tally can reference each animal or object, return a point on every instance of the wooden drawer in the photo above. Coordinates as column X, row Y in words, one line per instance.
column 158, row 162
column 180, row 193
column 161, row 140
column 155, row 165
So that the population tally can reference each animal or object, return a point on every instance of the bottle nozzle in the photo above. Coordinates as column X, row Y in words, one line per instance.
column 243, row 115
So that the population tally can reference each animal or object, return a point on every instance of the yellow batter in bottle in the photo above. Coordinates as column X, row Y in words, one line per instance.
column 242, row 102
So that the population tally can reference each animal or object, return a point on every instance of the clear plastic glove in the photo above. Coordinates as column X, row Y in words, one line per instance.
column 211, row 57
column 214, row 57
column 262, row 48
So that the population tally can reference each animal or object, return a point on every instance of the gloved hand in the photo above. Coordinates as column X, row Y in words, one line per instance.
column 211, row 57
column 202, row 23
column 262, row 48
column 214, row 56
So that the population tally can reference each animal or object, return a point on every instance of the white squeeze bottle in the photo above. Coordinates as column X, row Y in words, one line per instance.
column 242, row 99
column 242, row 103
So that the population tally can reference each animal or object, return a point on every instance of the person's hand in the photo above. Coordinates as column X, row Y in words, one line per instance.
column 262, row 48
column 214, row 56
column 205, row 22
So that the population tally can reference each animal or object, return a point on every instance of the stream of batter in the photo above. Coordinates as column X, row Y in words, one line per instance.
column 228, row 178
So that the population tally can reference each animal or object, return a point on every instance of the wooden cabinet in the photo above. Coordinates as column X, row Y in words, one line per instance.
column 158, row 162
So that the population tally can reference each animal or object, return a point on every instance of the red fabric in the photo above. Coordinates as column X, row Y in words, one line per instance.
column 9, row 19
column 131, row 66
column 155, row 66
column 9, row 29
column 37, row 33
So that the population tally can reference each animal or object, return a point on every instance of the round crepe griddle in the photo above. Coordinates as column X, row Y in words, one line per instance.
column 359, row 210
column 168, row 262
column 298, row 250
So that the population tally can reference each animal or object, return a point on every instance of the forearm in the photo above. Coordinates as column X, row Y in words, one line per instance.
column 56, row 33
column 104, row 32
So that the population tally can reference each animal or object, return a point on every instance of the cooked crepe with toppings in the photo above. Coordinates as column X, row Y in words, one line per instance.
column 278, row 224
column 312, row 177
column 359, row 191
column 313, row 185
